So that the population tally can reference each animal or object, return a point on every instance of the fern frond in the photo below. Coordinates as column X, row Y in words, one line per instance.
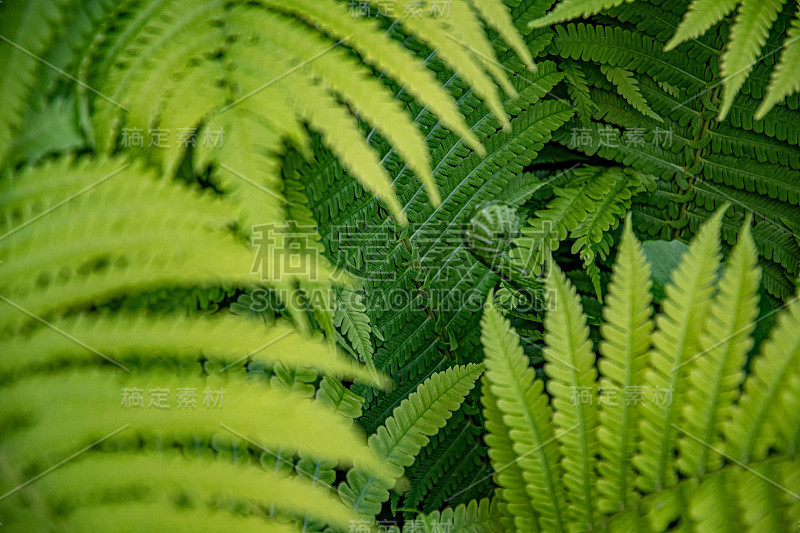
column 552, row 225
column 712, row 495
column 109, row 236
column 27, row 28
column 570, row 9
column 496, row 15
column 527, row 427
column 700, row 16
column 570, row 364
column 199, row 479
column 756, row 484
column 458, row 47
column 628, row 87
column 331, row 394
column 378, row 49
column 474, row 517
column 128, row 339
column 620, row 47
column 592, row 234
column 131, row 517
column 396, row 443
column 308, row 94
column 354, row 323
column 676, row 339
column 51, row 429
column 748, row 35
column 342, row 74
column 785, row 79
column 756, row 421
column 579, row 90
column 626, row 342
column 514, row 500
column 714, row 374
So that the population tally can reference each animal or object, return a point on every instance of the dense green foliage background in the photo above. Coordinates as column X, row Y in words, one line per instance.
column 342, row 265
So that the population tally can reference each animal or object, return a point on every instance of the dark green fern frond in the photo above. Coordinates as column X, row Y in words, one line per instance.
column 748, row 35
column 396, row 443
column 589, row 204
column 354, row 323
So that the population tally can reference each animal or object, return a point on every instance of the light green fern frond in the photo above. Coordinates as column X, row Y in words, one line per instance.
column 570, row 363
column 51, row 431
column 626, row 342
column 748, row 35
column 570, row 9
column 497, row 16
column 473, row 517
column 128, row 339
column 785, row 78
column 78, row 253
column 516, row 505
column 527, row 427
column 763, row 416
column 742, row 467
column 700, row 16
column 311, row 72
column 677, row 338
column 714, row 374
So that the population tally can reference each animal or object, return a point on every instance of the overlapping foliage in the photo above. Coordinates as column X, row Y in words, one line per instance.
column 306, row 204
column 568, row 456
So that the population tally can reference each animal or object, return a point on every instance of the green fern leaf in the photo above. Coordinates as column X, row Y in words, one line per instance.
column 527, row 426
column 785, row 79
column 757, row 422
column 748, row 35
column 509, row 477
column 152, row 516
column 676, row 339
column 570, row 9
column 473, row 517
column 397, row 442
column 579, row 90
column 26, row 29
column 591, row 235
column 552, row 225
column 497, row 16
column 128, row 339
column 379, row 50
column 715, row 373
column 570, row 363
column 755, row 486
column 626, row 343
column 200, row 478
column 354, row 323
column 628, row 87
column 701, row 15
